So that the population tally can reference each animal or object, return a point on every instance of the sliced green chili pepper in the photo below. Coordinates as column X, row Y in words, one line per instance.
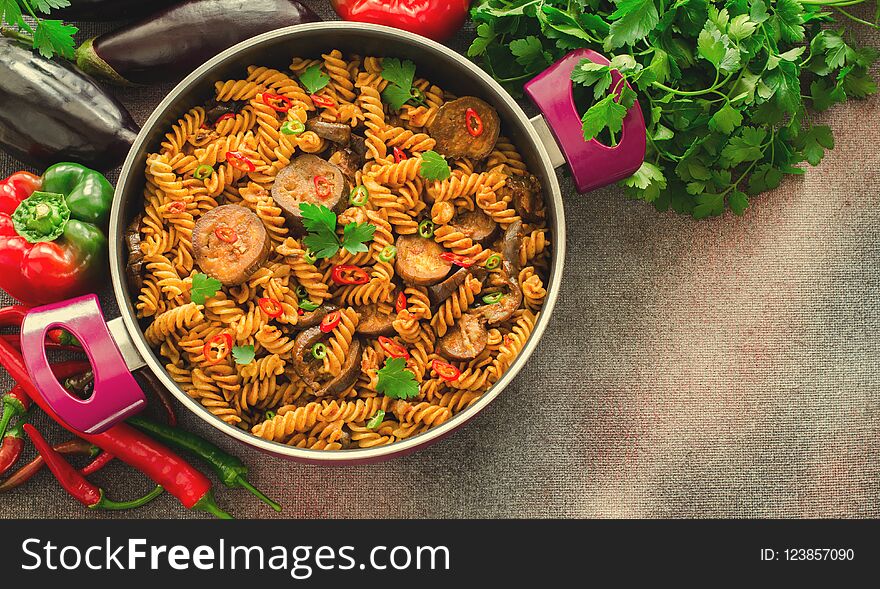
column 270, row 415
column 301, row 292
column 203, row 171
column 491, row 299
column 359, row 196
column 319, row 351
column 493, row 262
column 307, row 305
column 310, row 257
column 388, row 254
column 294, row 127
column 376, row 420
column 231, row 471
column 426, row 229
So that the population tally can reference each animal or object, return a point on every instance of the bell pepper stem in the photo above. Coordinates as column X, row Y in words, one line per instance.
column 245, row 484
column 109, row 504
column 208, row 505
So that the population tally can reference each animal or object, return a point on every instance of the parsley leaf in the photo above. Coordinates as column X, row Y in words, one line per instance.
column 401, row 73
column 314, row 79
column 10, row 13
column 48, row 36
column 434, row 166
column 53, row 36
column 530, row 53
column 46, row 6
column 322, row 238
column 203, row 287
column 243, row 354
column 377, row 419
column 633, row 20
column 396, row 381
column 395, row 96
column 605, row 113
column 315, row 217
column 355, row 234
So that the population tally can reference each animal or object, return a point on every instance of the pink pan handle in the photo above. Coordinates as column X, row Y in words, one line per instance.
column 116, row 394
column 592, row 164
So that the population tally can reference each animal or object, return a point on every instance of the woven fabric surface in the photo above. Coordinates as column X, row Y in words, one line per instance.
column 719, row 368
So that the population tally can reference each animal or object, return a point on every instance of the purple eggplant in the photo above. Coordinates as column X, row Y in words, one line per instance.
column 104, row 10
column 50, row 112
column 170, row 44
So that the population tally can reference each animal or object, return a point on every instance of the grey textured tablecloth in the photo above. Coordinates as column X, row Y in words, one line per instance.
column 720, row 368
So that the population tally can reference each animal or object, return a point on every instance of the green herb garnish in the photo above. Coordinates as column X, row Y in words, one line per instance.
column 203, row 287
column 314, row 79
column 400, row 76
column 396, row 381
column 322, row 239
column 377, row 419
column 243, row 354
column 49, row 37
column 434, row 166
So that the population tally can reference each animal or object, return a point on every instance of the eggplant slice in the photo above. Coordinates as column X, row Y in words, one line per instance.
column 301, row 181
column 450, row 128
column 230, row 243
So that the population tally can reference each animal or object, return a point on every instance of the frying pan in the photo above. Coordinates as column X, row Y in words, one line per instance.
column 117, row 347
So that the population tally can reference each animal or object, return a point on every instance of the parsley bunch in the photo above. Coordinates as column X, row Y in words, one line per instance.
column 724, row 85
column 47, row 36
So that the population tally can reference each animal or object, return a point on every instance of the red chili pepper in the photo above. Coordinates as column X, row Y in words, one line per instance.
column 270, row 100
column 400, row 304
column 399, row 155
column 394, row 349
column 224, row 117
column 322, row 101
column 271, row 307
column 14, row 340
column 62, row 337
column 226, row 234
column 13, row 315
column 446, row 371
column 473, row 122
column 457, row 259
column 164, row 467
column 217, row 348
column 175, row 207
column 240, row 161
column 102, row 460
column 90, row 495
column 323, row 187
column 10, row 448
column 75, row 446
column 435, row 19
column 330, row 321
column 348, row 274
column 300, row 312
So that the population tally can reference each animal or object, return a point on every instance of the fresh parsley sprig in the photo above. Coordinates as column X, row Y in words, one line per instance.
column 400, row 76
column 313, row 79
column 434, row 166
column 323, row 240
column 48, row 36
column 396, row 381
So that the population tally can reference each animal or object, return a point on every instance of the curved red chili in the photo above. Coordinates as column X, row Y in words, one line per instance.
column 175, row 207
column 457, row 259
column 226, row 234
column 323, row 187
column 270, row 100
column 392, row 348
column 330, row 321
column 271, row 307
column 239, row 161
column 348, row 274
column 400, row 303
column 217, row 348
column 224, row 117
column 473, row 122
column 399, row 155
column 322, row 101
column 445, row 370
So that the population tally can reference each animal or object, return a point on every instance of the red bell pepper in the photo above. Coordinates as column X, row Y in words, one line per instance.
column 52, row 242
column 435, row 19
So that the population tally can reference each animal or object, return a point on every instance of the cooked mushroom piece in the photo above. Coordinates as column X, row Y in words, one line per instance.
column 307, row 179
column 230, row 243
column 350, row 370
column 509, row 303
column 335, row 132
column 466, row 339
column 525, row 192
column 349, row 162
column 419, row 262
column 373, row 322
column 302, row 346
column 442, row 291
column 358, row 145
column 216, row 109
column 512, row 244
column 476, row 225
column 450, row 128
column 134, row 268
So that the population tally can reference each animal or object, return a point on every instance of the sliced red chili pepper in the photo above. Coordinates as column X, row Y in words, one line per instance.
column 392, row 348
column 271, row 307
column 399, row 155
column 446, row 371
column 348, row 274
column 270, row 100
column 323, row 187
column 176, row 207
column 217, row 348
column 330, row 321
column 456, row 259
column 473, row 122
column 300, row 312
column 240, row 161
column 322, row 101
column 225, row 117
column 400, row 304
column 225, row 233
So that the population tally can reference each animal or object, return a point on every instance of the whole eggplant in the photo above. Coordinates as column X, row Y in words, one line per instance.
column 50, row 112
column 104, row 10
column 171, row 43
